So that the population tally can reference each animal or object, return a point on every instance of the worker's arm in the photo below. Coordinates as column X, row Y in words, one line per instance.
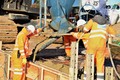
column 88, row 26
column 111, row 33
column 21, row 40
column 74, row 34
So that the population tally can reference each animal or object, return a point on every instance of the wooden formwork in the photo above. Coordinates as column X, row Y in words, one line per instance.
column 4, row 64
column 41, row 72
column 2, row 59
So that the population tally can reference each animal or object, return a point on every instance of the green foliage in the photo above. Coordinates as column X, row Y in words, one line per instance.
column 116, row 42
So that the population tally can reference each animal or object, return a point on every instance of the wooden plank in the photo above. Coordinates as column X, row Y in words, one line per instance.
column 8, row 65
column 2, row 60
column 50, row 76
column 4, row 68
column 32, row 72
column 41, row 72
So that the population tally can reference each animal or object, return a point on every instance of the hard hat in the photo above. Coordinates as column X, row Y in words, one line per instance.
column 31, row 28
column 80, row 22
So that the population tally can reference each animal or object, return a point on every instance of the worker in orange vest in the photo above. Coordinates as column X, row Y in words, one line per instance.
column 100, row 31
column 21, row 51
column 68, row 39
column 77, row 35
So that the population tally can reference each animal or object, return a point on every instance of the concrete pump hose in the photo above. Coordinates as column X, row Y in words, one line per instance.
column 111, row 59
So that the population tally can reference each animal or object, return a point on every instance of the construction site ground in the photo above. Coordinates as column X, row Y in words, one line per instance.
column 57, row 48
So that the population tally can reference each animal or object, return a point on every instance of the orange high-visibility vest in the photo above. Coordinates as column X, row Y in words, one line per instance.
column 98, row 34
column 22, row 44
column 21, row 47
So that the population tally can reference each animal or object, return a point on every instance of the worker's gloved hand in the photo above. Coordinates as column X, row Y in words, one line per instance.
column 74, row 34
column 24, row 61
column 39, row 30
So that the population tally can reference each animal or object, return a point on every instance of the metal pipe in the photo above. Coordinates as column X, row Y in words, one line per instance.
column 45, row 12
column 80, row 6
column 40, row 12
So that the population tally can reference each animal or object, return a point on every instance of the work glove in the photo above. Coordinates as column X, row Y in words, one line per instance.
column 24, row 61
column 39, row 30
column 74, row 34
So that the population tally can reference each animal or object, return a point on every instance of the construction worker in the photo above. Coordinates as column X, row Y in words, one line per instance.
column 68, row 39
column 99, row 33
column 77, row 35
column 71, row 38
column 21, row 51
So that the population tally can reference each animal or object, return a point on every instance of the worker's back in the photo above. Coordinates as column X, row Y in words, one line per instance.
column 98, row 34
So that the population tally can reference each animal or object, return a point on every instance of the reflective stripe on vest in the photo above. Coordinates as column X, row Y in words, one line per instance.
column 100, row 30
column 84, row 75
column 21, row 51
column 100, row 76
column 97, row 35
column 102, row 33
column 17, row 69
column 18, row 73
column 22, row 54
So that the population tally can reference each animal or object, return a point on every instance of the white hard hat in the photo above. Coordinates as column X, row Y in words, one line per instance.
column 80, row 22
column 31, row 28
